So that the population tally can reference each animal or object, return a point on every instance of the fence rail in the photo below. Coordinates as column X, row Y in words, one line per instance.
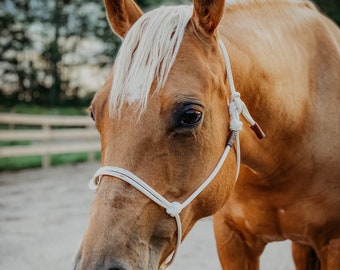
column 49, row 135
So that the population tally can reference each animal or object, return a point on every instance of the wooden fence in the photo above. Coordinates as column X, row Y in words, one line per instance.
column 48, row 135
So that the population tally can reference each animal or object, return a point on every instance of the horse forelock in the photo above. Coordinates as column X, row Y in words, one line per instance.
column 146, row 55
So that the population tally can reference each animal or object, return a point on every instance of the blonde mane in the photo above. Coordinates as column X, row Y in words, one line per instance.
column 147, row 54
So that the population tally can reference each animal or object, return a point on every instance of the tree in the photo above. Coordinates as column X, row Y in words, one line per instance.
column 40, row 48
column 15, row 69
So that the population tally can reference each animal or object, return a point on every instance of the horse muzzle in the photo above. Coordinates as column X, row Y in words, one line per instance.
column 142, row 262
column 126, row 231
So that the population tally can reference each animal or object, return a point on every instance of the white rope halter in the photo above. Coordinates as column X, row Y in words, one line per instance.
column 236, row 107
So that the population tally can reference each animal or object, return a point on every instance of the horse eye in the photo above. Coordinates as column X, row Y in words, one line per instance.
column 191, row 117
column 187, row 116
column 91, row 113
column 92, row 116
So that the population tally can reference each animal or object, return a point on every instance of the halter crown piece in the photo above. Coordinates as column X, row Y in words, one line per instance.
column 236, row 107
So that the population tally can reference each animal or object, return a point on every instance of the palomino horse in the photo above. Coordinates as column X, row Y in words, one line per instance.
column 168, row 110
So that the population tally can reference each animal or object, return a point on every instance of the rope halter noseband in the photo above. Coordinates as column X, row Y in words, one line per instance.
column 236, row 107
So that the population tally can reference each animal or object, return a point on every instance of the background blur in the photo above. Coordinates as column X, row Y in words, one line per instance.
column 55, row 54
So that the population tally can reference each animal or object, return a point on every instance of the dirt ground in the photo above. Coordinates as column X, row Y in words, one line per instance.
column 44, row 214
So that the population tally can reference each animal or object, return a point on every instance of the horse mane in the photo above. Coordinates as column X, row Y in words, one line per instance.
column 230, row 3
column 147, row 53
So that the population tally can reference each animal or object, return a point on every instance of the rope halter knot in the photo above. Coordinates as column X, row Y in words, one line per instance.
column 235, row 123
column 174, row 209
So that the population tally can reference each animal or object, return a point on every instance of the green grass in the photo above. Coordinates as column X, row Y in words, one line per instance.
column 20, row 163
column 26, row 109
column 13, row 143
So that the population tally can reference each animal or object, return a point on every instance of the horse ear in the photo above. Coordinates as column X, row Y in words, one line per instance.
column 207, row 14
column 121, row 15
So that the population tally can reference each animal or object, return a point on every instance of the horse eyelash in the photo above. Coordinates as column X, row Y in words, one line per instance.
column 91, row 113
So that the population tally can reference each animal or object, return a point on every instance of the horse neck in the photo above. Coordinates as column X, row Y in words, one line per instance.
column 287, row 74
column 276, row 94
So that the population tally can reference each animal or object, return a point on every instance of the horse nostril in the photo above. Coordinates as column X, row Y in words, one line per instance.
column 116, row 266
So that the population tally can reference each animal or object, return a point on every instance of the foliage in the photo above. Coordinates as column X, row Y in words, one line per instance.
column 43, row 43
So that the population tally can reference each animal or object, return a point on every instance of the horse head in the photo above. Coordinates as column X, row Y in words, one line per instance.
column 163, row 117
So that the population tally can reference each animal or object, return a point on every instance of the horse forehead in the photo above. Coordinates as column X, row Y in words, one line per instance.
column 195, row 65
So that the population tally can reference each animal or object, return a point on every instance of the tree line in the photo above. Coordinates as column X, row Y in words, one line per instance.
column 44, row 43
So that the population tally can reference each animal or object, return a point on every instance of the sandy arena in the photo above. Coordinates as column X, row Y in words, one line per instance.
column 44, row 214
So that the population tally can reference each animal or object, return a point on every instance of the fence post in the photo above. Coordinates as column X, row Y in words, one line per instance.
column 91, row 156
column 46, row 161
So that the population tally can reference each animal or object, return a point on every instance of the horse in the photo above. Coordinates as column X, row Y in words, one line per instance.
column 173, row 119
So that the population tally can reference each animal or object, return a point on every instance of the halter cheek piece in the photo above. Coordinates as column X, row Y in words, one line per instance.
column 236, row 107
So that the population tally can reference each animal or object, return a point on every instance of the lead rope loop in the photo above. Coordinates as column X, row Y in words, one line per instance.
column 236, row 108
